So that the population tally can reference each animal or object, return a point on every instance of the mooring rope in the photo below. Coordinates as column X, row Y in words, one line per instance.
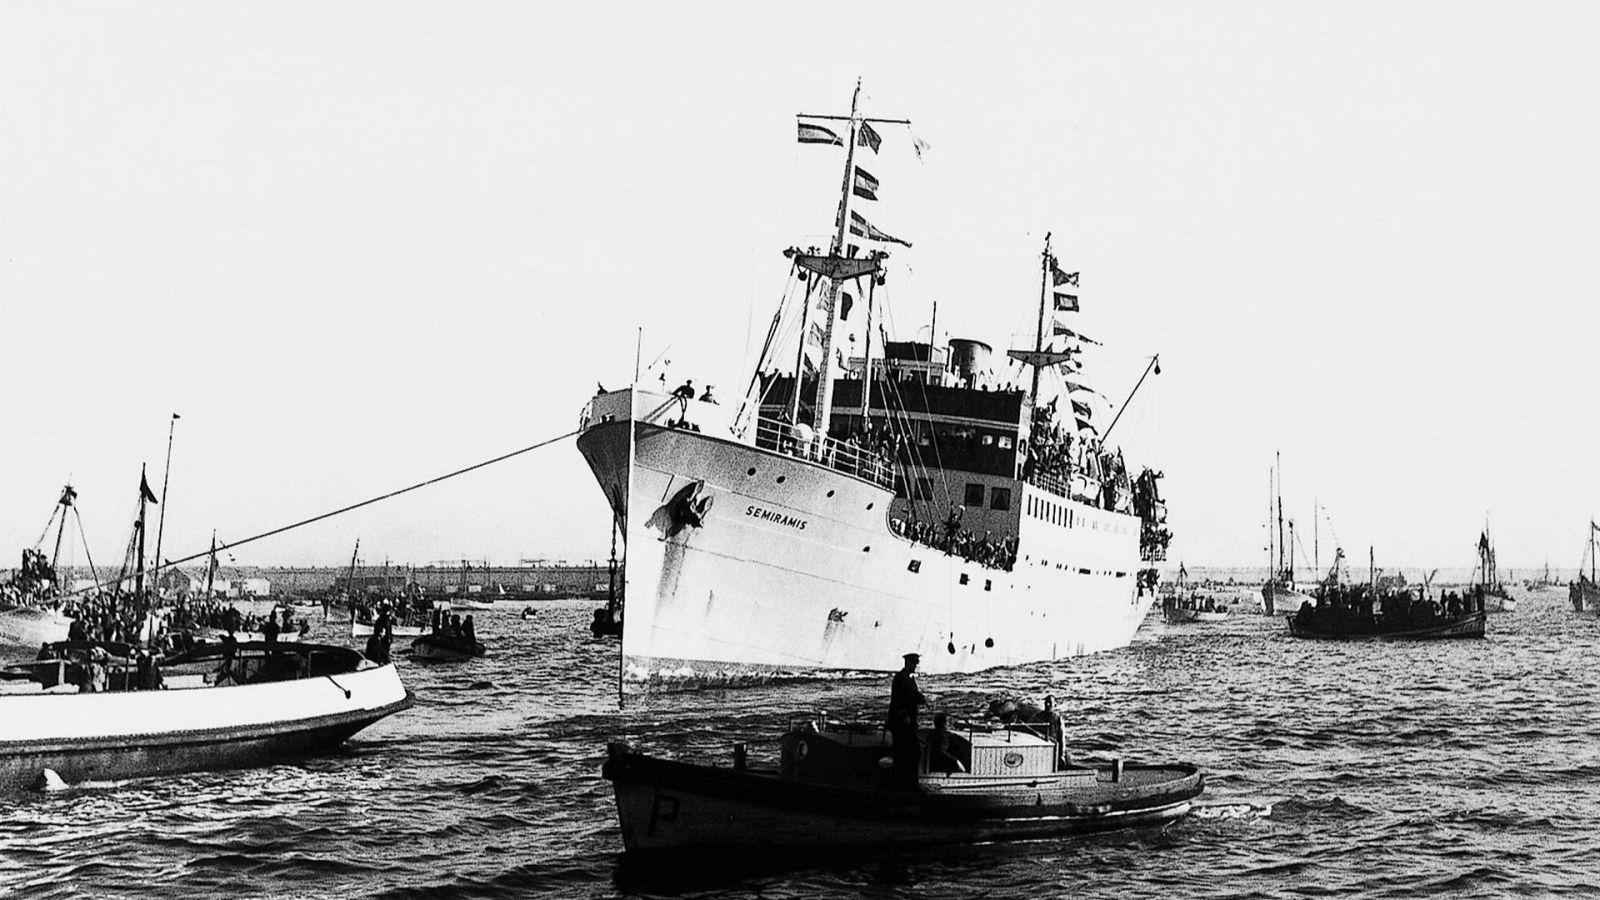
column 342, row 510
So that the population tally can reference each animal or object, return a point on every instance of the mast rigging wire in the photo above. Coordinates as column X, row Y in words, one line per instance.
column 344, row 509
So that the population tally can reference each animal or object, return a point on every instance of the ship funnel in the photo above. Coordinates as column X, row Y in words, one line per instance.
column 969, row 359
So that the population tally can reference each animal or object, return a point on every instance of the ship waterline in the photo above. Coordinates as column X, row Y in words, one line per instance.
column 745, row 563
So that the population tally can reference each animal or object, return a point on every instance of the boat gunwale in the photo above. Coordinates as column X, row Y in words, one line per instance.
column 220, row 734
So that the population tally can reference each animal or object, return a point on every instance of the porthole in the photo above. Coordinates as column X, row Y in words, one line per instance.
column 951, row 647
column 866, row 549
column 750, row 471
column 988, row 642
column 782, row 479
column 830, row 493
column 869, row 506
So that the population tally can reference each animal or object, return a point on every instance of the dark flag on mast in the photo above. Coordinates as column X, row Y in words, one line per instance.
column 144, row 489
column 867, row 137
column 1058, row 277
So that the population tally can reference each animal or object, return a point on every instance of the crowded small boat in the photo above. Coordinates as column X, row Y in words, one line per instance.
column 450, row 638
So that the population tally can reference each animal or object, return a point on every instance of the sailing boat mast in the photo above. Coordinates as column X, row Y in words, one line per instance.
column 1272, row 574
column 67, row 494
column 138, row 581
column 1278, row 467
column 350, row 579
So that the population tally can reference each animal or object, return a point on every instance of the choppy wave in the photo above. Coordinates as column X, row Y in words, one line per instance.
column 1368, row 769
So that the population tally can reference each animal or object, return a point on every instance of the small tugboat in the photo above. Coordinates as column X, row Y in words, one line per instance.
column 832, row 788
column 98, row 711
column 1354, row 612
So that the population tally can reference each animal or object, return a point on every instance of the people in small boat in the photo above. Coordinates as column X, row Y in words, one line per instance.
column 904, row 699
column 149, row 673
column 1058, row 731
column 940, row 759
column 468, row 631
column 378, row 647
column 269, row 629
column 76, row 631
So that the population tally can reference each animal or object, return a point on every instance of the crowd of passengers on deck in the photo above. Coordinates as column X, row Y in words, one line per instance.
column 953, row 540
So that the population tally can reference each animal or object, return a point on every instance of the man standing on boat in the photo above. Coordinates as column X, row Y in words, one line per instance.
column 904, row 698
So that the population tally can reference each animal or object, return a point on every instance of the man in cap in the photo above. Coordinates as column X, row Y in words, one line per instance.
column 904, row 698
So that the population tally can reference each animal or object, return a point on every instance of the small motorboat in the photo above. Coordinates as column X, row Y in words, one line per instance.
column 100, row 711
column 832, row 788
column 527, row 612
column 441, row 647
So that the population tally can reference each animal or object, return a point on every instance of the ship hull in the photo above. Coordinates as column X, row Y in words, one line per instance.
column 1584, row 595
column 746, row 564
column 1278, row 598
column 112, row 736
column 664, row 805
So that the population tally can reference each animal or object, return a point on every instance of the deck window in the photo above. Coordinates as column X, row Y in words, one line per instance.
column 1000, row 498
column 974, row 495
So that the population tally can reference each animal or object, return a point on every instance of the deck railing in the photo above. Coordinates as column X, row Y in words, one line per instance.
column 852, row 459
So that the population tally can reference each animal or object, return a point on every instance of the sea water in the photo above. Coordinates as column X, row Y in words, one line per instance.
column 1459, row 769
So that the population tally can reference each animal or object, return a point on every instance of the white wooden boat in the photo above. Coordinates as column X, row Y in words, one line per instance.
column 274, row 702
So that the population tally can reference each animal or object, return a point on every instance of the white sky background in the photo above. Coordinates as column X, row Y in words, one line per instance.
column 358, row 245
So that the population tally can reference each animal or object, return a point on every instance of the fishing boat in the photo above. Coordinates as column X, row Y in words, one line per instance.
column 30, row 612
column 848, row 510
column 223, row 706
column 1280, row 591
column 831, row 788
column 1584, row 591
column 1487, row 577
column 1389, row 609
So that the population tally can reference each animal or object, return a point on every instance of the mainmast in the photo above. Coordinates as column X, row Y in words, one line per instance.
column 1044, row 297
column 1278, row 468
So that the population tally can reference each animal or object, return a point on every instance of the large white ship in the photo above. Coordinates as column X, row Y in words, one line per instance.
column 816, row 529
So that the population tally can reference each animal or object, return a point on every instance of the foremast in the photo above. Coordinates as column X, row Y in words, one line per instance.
column 822, row 409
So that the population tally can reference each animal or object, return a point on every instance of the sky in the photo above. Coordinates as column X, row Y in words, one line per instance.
column 356, row 246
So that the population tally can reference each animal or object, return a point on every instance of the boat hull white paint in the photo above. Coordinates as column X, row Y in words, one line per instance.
column 127, row 734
